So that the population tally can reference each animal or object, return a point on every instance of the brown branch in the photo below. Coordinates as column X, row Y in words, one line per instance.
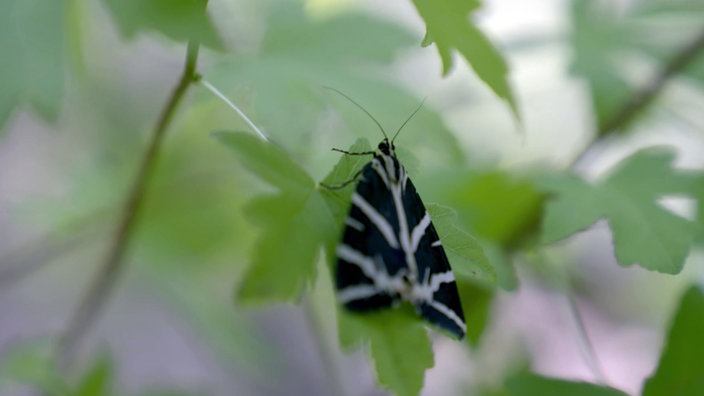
column 643, row 97
column 96, row 295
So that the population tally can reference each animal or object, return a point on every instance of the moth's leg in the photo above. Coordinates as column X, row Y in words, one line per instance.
column 352, row 153
column 343, row 184
column 356, row 175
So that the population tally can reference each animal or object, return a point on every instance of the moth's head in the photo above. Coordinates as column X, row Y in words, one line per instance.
column 387, row 148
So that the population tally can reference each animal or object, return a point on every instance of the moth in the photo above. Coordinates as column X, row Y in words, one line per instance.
column 390, row 252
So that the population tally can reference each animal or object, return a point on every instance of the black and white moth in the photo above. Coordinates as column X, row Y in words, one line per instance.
column 390, row 251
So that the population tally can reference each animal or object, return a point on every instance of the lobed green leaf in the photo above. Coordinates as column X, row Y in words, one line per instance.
column 268, row 162
column 180, row 20
column 449, row 27
column 295, row 222
column 398, row 344
column 644, row 232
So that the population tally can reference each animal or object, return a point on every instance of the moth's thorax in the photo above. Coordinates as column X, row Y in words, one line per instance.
column 386, row 157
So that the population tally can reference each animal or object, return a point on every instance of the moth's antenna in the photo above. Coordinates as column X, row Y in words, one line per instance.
column 362, row 108
column 408, row 119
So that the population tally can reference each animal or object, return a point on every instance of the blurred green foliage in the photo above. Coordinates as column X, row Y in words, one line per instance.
column 681, row 368
column 208, row 224
column 32, row 36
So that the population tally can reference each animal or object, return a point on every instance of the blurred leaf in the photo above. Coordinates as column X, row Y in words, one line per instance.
column 180, row 20
column 644, row 232
column 449, row 27
column 98, row 380
column 399, row 346
column 30, row 364
column 268, row 162
column 499, row 206
column 476, row 301
column 506, row 276
column 681, row 367
column 32, row 65
column 599, row 41
column 172, row 392
column 534, row 385
column 292, row 35
column 284, row 256
column 464, row 252
column 281, row 85
column 608, row 40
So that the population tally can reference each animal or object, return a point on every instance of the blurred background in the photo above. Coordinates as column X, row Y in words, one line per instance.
column 85, row 81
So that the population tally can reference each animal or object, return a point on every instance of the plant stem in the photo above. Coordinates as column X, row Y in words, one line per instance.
column 98, row 291
column 588, row 350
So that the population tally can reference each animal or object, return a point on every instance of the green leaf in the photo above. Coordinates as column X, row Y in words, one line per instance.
column 644, row 232
column 268, row 162
column 681, row 367
column 398, row 344
column 464, row 252
column 98, row 380
column 180, row 20
column 32, row 37
column 30, row 363
column 476, row 301
column 338, row 200
column 449, row 27
column 285, row 254
column 599, row 41
column 534, row 385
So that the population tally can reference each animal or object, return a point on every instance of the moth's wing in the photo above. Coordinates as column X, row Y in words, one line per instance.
column 445, row 309
column 363, row 240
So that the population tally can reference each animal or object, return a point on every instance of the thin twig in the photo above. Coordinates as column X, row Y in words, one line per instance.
column 96, row 295
column 23, row 261
column 210, row 87
column 643, row 97
column 588, row 350
column 327, row 358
